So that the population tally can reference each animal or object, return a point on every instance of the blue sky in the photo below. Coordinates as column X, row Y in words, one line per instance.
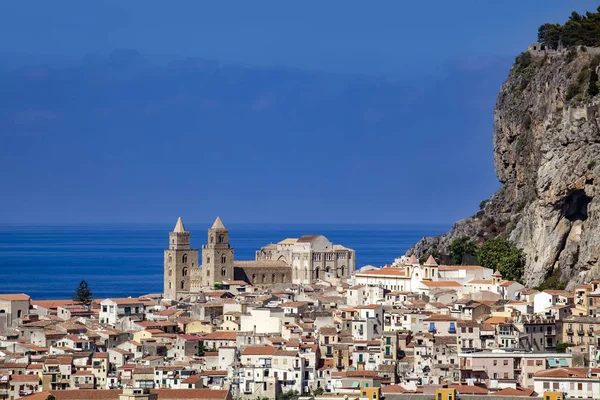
column 431, row 164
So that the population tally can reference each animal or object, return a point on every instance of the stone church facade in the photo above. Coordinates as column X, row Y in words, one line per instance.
column 301, row 261
column 311, row 257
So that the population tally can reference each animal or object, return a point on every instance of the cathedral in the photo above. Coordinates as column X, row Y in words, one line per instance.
column 302, row 261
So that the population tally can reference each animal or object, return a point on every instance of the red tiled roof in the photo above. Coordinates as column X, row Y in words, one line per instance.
column 460, row 267
column 515, row 392
column 14, row 296
column 441, row 283
column 221, row 335
column 390, row 271
column 469, row 389
column 259, row 350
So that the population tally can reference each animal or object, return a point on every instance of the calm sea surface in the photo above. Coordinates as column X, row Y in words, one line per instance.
column 47, row 262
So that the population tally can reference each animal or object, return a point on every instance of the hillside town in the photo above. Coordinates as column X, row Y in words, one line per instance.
column 302, row 322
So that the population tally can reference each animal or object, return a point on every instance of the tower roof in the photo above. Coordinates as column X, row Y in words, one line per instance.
column 413, row 259
column 179, row 226
column 218, row 224
column 497, row 273
column 431, row 261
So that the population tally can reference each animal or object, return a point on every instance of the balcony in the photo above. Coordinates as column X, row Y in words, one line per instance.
column 580, row 331
column 569, row 331
column 590, row 332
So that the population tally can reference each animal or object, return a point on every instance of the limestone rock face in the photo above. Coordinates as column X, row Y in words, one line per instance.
column 547, row 156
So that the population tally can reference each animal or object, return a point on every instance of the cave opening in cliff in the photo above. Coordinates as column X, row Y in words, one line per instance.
column 576, row 206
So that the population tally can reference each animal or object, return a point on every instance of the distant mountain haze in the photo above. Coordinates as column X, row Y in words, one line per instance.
column 123, row 137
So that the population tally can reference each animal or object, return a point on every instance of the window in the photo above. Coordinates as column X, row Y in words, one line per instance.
column 184, row 258
column 505, row 362
column 184, row 272
column 495, row 362
column 208, row 260
column 223, row 271
column 222, row 239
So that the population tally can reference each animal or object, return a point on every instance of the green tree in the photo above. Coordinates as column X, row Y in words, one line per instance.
column 499, row 254
column 562, row 347
column 290, row 395
column 50, row 397
column 318, row 391
column 461, row 247
column 482, row 204
column 83, row 294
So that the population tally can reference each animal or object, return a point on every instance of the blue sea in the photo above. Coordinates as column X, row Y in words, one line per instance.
column 49, row 261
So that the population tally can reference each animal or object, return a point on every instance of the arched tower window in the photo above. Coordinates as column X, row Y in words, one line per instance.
column 208, row 260
column 182, row 284
column 273, row 278
column 169, row 285
column 170, row 272
column 207, row 272
column 184, row 258
column 264, row 278
column 222, row 239
column 253, row 278
column 282, row 278
column 212, row 238
column 223, row 271
column 317, row 273
column 184, row 272
column 223, row 259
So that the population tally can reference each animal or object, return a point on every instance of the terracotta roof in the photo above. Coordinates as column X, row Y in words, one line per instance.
column 393, row 389
column 439, row 317
column 25, row 378
column 221, row 335
column 430, row 261
column 565, row 373
column 496, row 320
column 469, row 389
column 515, row 392
column 212, row 372
column 441, row 283
column 112, row 394
column 389, row 271
column 563, row 293
column 460, row 267
column 14, row 296
column 481, row 282
column 51, row 303
column 259, row 350
column 192, row 379
column 122, row 301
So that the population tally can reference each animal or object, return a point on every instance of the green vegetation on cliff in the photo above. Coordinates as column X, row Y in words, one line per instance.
column 460, row 248
column 579, row 30
column 497, row 254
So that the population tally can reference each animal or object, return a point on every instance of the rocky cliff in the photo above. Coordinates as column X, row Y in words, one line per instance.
column 547, row 157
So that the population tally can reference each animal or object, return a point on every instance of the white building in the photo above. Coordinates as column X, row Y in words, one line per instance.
column 111, row 310
column 262, row 320
column 547, row 299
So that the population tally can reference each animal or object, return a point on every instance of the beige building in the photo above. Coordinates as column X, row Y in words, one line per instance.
column 311, row 257
column 303, row 260
column 13, row 307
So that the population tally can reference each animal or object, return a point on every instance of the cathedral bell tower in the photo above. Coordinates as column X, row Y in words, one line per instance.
column 180, row 259
column 217, row 256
